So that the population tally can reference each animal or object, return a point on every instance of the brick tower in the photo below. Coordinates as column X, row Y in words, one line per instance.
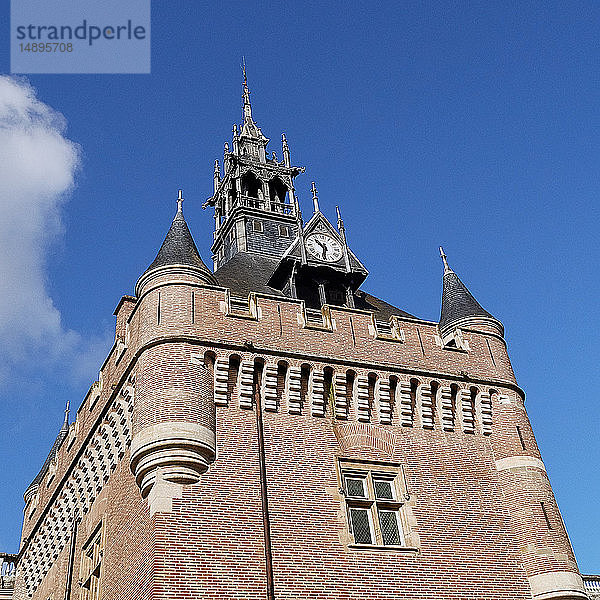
column 270, row 430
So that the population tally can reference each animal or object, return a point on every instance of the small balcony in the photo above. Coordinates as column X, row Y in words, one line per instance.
column 282, row 208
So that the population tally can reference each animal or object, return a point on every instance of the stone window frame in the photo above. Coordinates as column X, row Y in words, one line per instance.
column 90, row 573
column 370, row 471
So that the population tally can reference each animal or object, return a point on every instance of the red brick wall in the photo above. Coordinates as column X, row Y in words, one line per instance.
column 478, row 530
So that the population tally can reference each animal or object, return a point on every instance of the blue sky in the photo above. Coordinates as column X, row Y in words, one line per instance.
column 473, row 125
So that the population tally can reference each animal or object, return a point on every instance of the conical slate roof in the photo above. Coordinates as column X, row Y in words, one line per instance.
column 179, row 247
column 458, row 304
column 60, row 438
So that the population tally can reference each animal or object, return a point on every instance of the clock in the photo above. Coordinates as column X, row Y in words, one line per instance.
column 324, row 247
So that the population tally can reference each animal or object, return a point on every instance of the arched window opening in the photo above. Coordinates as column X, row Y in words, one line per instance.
column 328, row 392
column 435, row 388
column 393, row 390
column 414, row 385
column 350, row 379
column 259, row 366
column 282, row 369
column 371, row 382
column 277, row 193
column 232, row 195
column 209, row 363
column 453, row 396
column 232, row 378
column 252, row 187
column 304, row 384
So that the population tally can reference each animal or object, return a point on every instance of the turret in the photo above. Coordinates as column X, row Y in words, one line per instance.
column 178, row 255
column 62, row 434
column 460, row 309
column 174, row 413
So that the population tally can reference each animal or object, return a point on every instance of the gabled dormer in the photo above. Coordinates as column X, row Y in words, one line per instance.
column 319, row 267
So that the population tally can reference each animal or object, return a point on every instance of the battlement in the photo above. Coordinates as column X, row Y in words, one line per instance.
column 285, row 325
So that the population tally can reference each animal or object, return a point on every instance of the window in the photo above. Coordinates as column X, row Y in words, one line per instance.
column 91, row 565
column 374, row 499
column 257, row 226
column 284, row 231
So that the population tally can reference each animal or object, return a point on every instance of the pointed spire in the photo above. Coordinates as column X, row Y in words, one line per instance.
column 178, row 249
column 459, row 307
column 65, row 426
column 340, row 223
column 216, row 177
column 315, row 197
column 60, row 438
column 342, row 230
column 246, row 94
column 447, row 269
column 287, row 159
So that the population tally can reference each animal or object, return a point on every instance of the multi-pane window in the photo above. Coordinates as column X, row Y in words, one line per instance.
column 91, row 565
column 373, row 505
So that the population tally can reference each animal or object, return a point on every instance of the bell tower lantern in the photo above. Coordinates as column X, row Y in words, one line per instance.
column 255, row 206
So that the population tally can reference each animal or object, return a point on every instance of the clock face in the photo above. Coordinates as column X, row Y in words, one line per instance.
column 324, row 247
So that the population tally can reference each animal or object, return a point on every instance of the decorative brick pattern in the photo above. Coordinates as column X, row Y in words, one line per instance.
column 270, row 387
column 384, row 403
column 246, row 388
column 447, row 409
column 317, row 393
column 221, row 381
column 294, row 390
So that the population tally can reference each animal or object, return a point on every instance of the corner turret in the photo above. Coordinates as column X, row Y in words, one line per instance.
column 460, row 309
column 177, row 255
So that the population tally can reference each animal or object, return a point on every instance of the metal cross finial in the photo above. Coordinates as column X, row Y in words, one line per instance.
column 447, row 269
column 315, row 198
column 180, row 201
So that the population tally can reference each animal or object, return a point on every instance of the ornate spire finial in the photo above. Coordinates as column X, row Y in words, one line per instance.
column 66, row 421
column 286, row 151
column 315, row 198
column 246, row 95
column 180, row 202
column 447, row 269
column 339, row 217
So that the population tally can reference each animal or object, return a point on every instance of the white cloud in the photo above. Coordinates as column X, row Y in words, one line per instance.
column 38, row 165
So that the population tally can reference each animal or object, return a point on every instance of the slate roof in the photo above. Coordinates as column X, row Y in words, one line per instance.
column 458, row 303
column 179, row 248
column 247, row 272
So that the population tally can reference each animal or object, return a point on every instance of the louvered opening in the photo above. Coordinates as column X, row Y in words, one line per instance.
column 384, row 328
column 239, row 305
column 314, row 317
